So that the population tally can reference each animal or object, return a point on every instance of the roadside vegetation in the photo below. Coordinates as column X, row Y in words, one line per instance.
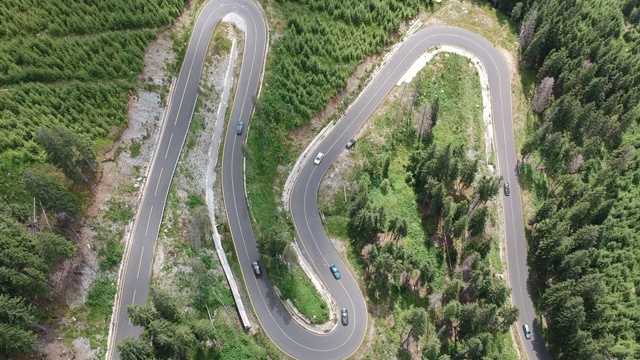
column 315, row 52
column 580, row 164
column 66, row 72
column 579, row 148
column 63, row 102
column 191, row 312
column 417, row 221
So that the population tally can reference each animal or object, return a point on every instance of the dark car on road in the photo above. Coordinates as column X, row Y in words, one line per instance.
column 345, row 317
column 240, row 127
column 351, row 143
column 507, row 190
column 256, row 268
column 334, row 271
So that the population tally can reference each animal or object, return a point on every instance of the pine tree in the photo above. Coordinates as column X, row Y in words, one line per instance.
column 478, row 221
column 69, row 152
column 135, row 349
column 50, row 193
column 416, row 319
column 15, row 340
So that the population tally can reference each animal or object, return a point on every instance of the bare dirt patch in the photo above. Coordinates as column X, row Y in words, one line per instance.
column 122, row 171
column 189, row 181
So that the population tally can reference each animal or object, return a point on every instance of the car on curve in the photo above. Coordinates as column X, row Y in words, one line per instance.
column 335, row 272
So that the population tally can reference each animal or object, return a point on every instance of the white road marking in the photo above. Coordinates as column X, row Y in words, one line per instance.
column 133, row 301
column 148, row 221
column 158, row 184
column 168, row 147
column 140, row 263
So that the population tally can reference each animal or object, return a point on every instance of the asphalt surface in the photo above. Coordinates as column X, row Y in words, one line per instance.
column 304, row 206
column 342, row 341
column 138, row 263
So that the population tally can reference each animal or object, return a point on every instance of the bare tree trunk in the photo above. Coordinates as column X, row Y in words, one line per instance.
column 400, row 108
column 544, row 95
column 527, row 29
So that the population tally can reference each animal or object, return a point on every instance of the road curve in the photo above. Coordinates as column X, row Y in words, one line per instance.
column 286, row 334
column 136, row 271
column 304, row 205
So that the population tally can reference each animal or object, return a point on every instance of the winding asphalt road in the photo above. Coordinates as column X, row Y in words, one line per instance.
column 304, row 205
column 139, row 257
column 342, row 341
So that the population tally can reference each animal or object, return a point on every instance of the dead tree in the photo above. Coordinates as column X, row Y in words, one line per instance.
column 544, row 95
column 528, row 28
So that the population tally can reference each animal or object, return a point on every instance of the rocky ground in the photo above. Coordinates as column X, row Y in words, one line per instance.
column 122, row 174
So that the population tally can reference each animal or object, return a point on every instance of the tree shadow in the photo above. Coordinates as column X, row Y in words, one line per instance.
column 403, row 353
column 430, row 228
column 528, row 80
column 531, row 180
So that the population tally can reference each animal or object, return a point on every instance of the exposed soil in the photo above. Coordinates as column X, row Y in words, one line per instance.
column 121, row 175
column 119, row 170
column 190, row 177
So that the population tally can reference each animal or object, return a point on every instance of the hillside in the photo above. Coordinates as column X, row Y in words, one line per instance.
column 67, row 70
column 581, row 165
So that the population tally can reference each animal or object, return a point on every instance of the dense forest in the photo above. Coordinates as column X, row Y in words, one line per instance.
column 317, row 52
column 170, row 332
column 581, row 162
column 466, row 315
column 59, row 18
column 68, row 88
column 66, row 71
column 419, row 215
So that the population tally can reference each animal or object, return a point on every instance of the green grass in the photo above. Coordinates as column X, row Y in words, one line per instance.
column 197, row 125
column 452, row 80
column 494, row 252
column 111, row 254
column 107, row 241
column 119, row 211
column 482, row 19
column 194, row 201
column 134, row 149
column 221, row 45
column 100, row 300
column 92, row 319
column 336, row 213
column 299, row 290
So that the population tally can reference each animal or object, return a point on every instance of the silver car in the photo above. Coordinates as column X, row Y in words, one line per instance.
column 351, row 143
column 256, row 268
column 345, row 317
